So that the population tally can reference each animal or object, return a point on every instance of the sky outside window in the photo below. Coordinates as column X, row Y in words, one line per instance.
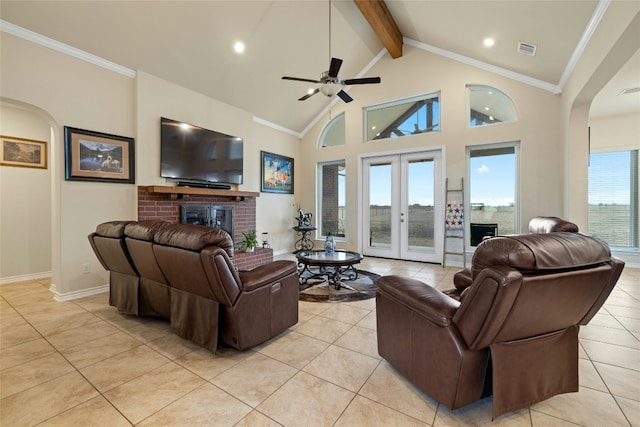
column 493, row 180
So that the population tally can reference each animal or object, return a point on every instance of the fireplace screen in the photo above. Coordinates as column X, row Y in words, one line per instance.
column 220, row 216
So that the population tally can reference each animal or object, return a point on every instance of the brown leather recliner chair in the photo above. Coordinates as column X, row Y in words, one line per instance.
column 537, row 225
column 514, row 331
column 109, row 246
column 154, row 292
column 208, row 294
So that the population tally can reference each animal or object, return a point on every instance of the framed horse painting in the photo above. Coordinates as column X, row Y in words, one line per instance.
column 95, row 156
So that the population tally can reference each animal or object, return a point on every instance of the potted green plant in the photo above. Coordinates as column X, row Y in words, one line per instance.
column 250, row 241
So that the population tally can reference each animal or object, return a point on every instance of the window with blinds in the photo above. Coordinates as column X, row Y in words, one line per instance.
column 613, row 198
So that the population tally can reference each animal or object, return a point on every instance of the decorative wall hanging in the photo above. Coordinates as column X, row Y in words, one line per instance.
column 23, row 152
column 277, row 173
column 95, row 156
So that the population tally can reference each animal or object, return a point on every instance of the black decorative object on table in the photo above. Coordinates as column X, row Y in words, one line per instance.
column 304, row 227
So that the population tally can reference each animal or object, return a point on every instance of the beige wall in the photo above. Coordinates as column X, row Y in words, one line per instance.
column 613, row 43
column 25, row 197
column 621, row 132
column 159, row 98
column 64, row 91
column 69, row 92
column 418, row 72
column 73, row 93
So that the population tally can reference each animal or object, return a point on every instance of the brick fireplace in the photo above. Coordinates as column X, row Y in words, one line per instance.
column 157, row 202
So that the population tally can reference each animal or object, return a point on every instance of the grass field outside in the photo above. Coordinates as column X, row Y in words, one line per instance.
column 607, row 222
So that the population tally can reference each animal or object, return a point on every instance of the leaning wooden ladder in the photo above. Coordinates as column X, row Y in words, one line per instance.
column 454, row 227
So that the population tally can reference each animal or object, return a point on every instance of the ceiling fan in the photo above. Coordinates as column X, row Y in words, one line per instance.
column 331, row 83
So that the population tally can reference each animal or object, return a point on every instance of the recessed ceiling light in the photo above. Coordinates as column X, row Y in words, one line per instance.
column 487, row 108
column 488, row 42
column 238, row 47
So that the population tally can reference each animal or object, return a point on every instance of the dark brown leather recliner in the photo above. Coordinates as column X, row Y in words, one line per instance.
column 154, row 291
column 208, row 294
column 514, row 331
column 537, row 225
column 109, row 246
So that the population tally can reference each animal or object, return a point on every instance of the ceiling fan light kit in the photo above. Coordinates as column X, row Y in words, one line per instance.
column 330, row 83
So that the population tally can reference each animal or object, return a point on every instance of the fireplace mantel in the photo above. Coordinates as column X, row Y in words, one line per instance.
column 184, row 192
column 156, row 202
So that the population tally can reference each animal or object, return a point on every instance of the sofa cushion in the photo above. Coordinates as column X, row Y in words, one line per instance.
column 531, row 252
column 144, row 230
column 113, row 229
column 194, row 237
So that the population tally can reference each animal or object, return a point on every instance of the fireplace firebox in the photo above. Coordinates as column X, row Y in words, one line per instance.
column 220, row 216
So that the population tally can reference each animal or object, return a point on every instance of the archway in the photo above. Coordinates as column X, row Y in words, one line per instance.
column 29, row 223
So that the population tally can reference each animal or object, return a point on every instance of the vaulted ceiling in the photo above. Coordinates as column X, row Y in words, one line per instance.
column 191, row 43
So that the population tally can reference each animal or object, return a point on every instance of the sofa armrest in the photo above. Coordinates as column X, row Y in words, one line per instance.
column 419, row 297
column 266, row 274
column 463, row 279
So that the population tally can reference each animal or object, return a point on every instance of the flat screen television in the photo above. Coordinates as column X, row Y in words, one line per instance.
column 195, row 155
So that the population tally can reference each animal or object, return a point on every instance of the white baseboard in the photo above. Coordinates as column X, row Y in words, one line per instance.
column 24, row 277
column 68, row 296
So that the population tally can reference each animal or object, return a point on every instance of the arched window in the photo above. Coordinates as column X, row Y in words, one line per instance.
column 488, row 105
column 333, row 133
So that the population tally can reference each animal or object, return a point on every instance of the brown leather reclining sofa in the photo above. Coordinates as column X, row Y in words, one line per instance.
column 185, row 273
column 513, row 333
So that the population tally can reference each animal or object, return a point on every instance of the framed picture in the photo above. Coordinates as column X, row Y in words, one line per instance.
column 277, row 173
column 23, row 152
column 95, row 156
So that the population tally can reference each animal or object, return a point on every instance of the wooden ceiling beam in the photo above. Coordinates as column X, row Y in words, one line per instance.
column 383, row 24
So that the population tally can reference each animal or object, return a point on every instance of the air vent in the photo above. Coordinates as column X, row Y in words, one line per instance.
column 630, row 90
column 527, row 48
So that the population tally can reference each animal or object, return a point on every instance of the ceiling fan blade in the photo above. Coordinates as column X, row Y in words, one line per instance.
column 336, row 63
column 309, row 95
column 363, row 81
column 298, row 79
column 343, row 95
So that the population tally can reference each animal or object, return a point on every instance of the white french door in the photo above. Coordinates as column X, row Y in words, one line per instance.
column 403, row 212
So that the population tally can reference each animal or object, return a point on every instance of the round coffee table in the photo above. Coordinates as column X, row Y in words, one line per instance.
column 333, row 267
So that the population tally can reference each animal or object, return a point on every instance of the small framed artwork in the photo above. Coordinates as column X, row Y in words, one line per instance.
column 95, row 156
column 277, row 173
column 23, row 152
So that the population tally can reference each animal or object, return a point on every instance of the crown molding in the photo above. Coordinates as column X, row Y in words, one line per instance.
column 540, row 84
column 50, row 43
column 277, row 127
column 584, row 41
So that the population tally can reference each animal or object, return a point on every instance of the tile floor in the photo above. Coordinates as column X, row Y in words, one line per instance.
column 82, row 363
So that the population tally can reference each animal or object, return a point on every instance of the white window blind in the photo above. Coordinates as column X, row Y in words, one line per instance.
column 613, row 198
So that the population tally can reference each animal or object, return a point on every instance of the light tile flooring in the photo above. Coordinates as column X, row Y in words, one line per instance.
column 82, row 363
